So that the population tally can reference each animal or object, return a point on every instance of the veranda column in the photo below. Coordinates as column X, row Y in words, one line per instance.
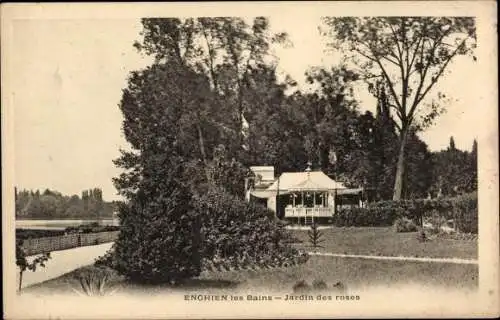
column 294, row 210
column 314, row 207
column 335, row 201
column 303, row 209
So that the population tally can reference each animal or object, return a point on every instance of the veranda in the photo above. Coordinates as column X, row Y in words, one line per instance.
column 307, row 197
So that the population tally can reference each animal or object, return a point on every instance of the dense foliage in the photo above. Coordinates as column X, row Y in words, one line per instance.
column 23, row 234
column 463, row 210
column 93, row 227
column 51, row 204
column 454, row 171
column 365, row 217
column 159, row 238
column 242, row 233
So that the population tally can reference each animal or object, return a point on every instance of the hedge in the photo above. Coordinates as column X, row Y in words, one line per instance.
column 93, row 227
column 366, row 217
column 84, row 228
column 462, row 209
column 23, row 234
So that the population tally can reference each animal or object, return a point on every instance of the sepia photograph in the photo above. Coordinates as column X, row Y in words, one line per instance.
column 250, row 160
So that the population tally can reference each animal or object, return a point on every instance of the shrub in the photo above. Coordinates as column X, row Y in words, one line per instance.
column 372, row 216
column 159, row 238
column 404, row 225
column 301, row 287
column 315, row 236
column 422, row 236
column 107, row 260
column 465, row 211
column 319, row 285
column 237, row 233
column 95, row 281
column 339, row 287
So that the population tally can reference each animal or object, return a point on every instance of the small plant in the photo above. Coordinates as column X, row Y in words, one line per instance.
column 315, row 236
column 23, row 264
column 422, row 236
column 301, row 287
column 94, row 282
column 339, row 287
column 404, row 225
column 319, row 285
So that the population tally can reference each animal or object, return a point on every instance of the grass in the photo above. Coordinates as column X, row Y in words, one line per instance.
column 353, row 273
column 386, row 242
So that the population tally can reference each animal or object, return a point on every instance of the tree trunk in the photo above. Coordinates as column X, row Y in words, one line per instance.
column 20, row 280
column 201, row 142
column 400, row 169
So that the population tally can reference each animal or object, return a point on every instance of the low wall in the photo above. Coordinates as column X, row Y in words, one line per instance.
column 49, row 244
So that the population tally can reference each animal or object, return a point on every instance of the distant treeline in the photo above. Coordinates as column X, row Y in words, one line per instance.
column 50, row 204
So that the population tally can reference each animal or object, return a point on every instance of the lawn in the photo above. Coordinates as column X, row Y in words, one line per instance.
column 386, row 242
column 354, row 274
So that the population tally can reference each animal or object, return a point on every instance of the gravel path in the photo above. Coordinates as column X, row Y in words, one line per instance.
column 401, row 258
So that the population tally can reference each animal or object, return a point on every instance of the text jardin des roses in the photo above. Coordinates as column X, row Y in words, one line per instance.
column 302, row 297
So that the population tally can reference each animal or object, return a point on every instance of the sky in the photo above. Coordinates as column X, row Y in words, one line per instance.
column 67, row 81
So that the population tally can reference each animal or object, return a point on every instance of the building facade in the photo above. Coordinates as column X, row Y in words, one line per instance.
column 302, row 197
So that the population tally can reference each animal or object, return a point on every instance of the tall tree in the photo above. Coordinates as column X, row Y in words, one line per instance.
column 172, row 103
column 385, row 149
column 472, row 168
column 409, row 55
column 452, row 144
column 332, row 116
column 159, row 240
column 227, row 50
column 454, row 171
column 418, row 178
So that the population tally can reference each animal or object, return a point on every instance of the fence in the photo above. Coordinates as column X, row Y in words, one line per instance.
column 49, row 244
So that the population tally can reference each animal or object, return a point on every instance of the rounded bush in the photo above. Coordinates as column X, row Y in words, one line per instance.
column 242, row 233
column 319, row 285
column 301, row 286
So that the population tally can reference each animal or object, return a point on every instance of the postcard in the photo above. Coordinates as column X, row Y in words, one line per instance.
column 250, row 160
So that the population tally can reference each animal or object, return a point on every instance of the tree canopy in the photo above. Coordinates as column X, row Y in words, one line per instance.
column 51, row 204
column 407, row 56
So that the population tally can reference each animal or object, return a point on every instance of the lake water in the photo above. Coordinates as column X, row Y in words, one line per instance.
column 60, row 224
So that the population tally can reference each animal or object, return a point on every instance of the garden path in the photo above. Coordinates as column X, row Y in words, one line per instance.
column 62, row 262
column 401, row 258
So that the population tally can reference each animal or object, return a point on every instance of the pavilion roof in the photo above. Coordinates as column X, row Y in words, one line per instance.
column 305, row 181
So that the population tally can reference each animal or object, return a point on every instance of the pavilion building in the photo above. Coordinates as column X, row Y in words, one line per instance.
column 302, row 197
